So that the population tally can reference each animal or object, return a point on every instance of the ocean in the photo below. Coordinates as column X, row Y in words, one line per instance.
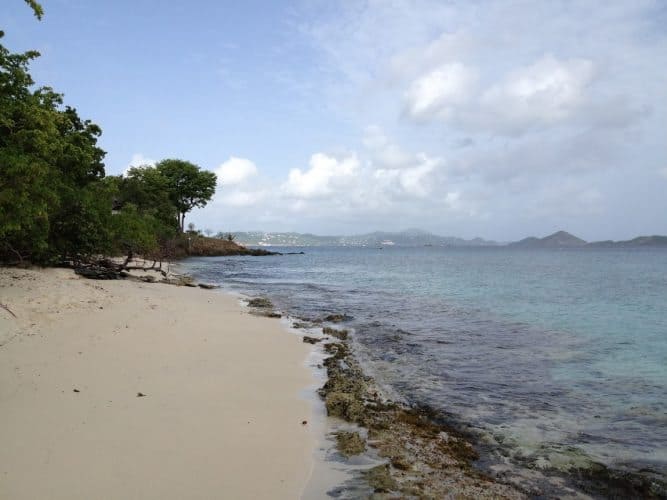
column 553, row 358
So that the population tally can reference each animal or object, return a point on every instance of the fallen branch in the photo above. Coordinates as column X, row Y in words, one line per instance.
column 7, row 309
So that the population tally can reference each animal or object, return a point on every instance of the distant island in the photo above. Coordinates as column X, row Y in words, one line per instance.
column 421, row 238
column 558, row 239
column 407, row 238
column 563, row 239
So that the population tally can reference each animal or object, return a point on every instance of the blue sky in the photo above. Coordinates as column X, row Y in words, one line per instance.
column 487, row 118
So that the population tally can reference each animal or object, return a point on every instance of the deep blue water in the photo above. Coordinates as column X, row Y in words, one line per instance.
column 558, row 355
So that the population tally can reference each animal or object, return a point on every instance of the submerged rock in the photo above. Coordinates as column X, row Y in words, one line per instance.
column 339, row 334
column 311, row 340
column 426, row 458
column 380, row 479
column 337, row 318
column 350, row 443
column 268, row 314
column 260, row 303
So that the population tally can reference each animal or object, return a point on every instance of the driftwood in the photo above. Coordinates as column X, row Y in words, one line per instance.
column 106, row 269
column 7, row 309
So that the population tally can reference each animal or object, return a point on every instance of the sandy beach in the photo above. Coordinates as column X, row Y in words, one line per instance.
column 121, row 389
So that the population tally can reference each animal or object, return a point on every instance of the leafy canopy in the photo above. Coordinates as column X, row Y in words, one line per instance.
column 188, row 186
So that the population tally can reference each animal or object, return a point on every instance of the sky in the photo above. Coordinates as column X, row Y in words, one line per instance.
column 498, row 119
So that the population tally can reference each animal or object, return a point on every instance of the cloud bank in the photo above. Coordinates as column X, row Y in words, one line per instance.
column 476, row 118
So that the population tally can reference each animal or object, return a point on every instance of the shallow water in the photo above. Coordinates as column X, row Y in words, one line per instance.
column 555, row 355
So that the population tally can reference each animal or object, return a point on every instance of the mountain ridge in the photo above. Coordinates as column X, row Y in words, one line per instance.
column 414, row 237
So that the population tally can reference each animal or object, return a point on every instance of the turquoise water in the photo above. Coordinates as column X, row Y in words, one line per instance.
column 557, row 357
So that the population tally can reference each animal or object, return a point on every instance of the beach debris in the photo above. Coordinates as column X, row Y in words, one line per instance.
column 304, row 422
column 337, row 318
column 141, row 395
column 334, row 332
column 260, row 303
column 7, row 309
column 76, row 390
column 98, row 273
column 350, row 443
column 311, row 340
column 206, row 286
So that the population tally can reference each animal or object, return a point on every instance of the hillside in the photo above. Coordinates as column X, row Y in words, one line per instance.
column 638, row 242
column 201, row 246
column 407, row 238
column 559, row 239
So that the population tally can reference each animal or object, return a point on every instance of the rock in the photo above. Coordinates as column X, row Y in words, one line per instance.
column 141, row 395
column 311, row 340
column 350, row 443
column 206, row 286
column 148, row 279
column 344, row 405
column 337, row 318
column 260, row 302
column 179, row 281
column 339, row 334
column 380, row 479
column 401, row 463
column 76, row 390
column 304, row 422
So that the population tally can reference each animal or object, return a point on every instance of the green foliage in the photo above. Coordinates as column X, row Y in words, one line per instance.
column 135, row 232
column 188, row 185
column 48, row 159
column 55, row 201
column 148, row 189
column 36, row 8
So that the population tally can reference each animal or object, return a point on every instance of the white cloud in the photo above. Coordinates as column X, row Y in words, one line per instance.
column 324, row 175
column 242, row 198
column 555, row 122
column 384, row 151
column 545, row 92
column 411, row 181
column 139, row 160
column 235, row 171
column 439, row 92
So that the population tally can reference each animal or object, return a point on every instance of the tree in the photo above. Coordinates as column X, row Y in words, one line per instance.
column 189, row 186
column 148, row 190
column 49, row 168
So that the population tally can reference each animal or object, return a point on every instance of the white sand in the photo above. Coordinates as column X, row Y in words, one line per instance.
column 222, row 416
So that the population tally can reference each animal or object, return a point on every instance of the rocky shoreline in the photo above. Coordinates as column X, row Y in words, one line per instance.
column 423, row 454
column 422, row 458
